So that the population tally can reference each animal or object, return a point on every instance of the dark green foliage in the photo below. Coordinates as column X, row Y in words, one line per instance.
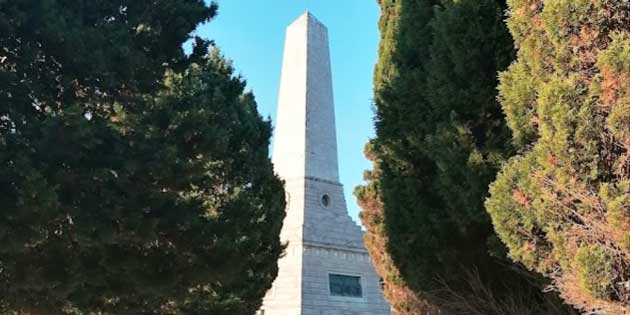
column 441, row 138
column 133, row 179
column 398, row 84
column 561, row 205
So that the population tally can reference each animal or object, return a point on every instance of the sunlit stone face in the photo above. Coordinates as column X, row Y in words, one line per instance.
column 326, row 269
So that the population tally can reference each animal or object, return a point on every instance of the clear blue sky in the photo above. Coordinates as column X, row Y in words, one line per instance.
column 251, row 33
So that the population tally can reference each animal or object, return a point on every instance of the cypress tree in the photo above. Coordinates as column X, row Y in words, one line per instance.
column 134, row 179
column 440, row 139
column 398, row 86
column 561, row 205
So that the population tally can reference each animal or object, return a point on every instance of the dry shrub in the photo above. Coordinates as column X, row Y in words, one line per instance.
column 480, row 299
column 594, row 273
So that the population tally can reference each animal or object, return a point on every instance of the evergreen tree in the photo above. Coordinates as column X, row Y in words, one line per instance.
column 561, row 205
column 441, row 138
column 399, row 81
column 134, row 179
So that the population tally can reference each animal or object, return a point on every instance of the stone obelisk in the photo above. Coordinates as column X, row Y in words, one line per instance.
column 326, row 269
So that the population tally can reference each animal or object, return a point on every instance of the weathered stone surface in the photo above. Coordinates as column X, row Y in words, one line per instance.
column 321, row 236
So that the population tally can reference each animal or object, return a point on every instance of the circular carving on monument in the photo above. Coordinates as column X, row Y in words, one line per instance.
column 325, row 200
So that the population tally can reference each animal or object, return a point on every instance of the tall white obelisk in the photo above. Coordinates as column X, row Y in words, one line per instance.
column 326, row 269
